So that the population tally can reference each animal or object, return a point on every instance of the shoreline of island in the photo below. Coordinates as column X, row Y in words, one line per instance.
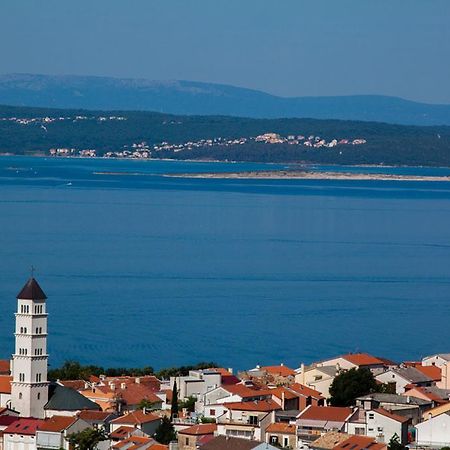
column 309, row 175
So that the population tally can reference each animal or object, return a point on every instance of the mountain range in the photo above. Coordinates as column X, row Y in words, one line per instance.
column 197, row 98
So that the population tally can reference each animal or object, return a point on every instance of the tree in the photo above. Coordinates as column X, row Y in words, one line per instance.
column 88, row 439
column 174, row 405
column 351, row 384
column 146, row 404
column 189, row 403
column 395, row 444
column 165, row 433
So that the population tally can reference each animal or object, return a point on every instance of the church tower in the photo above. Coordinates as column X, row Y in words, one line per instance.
column 29, row 386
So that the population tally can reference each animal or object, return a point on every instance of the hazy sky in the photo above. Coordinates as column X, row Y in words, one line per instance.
column 286, row 47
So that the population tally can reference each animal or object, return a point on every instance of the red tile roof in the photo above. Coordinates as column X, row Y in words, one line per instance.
column 432, row 372
column 26, row 426
column 258, row 406
column 199, row 430
column 305, row 390
column 359, row 443
column 5, row 384
column 122, row 432
column 57, row 423
column 325, row 413
column 136, row 441
column 281, row 370
column 281, row 427
column 136, row 418
column 245, row 391
column 363, row 359
column 4, row 366
column 78, row 385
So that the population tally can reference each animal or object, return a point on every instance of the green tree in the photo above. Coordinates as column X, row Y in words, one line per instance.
column 165, row 433
column 88, row 439
column 189, row 403
column 351, row 384
column 147, row 404
column 174, row 405
column 395, row 444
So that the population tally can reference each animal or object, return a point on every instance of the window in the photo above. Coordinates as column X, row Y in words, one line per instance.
column 20, row 396
column 380, row 428
column 285, row 442
column 274, row 440
column 253, row 420
column 37, row 330
column 212, row 412
column 371, row 416
column 186, row 441
column 39, row 396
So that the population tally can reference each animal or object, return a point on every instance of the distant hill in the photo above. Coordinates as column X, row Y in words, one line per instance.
column 25, row 130
column 195, row 98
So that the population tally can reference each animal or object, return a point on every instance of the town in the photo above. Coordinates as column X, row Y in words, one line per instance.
column 144, row 150
column 353, row 401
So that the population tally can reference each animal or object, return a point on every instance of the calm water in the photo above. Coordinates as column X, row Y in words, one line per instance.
column 147, row 270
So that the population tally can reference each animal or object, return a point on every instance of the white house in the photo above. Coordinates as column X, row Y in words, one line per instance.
column 438, row 360
column 21, row 434
column 379, row 424
column 434, row 432
column 403, row 376
column 197, row 383
column 52, row 433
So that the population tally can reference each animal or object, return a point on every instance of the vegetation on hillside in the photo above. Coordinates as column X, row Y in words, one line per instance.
column 386, row 144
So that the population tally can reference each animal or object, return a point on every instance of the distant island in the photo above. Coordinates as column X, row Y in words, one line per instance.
column 151, row 135
column 197, row 98
column 309, row 175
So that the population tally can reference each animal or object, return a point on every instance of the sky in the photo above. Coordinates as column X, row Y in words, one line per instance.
column 285, row 47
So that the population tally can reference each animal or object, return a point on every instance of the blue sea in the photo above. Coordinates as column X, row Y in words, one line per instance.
column 141, row 269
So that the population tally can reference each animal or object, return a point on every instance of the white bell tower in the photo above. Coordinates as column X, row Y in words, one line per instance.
column 29, row 386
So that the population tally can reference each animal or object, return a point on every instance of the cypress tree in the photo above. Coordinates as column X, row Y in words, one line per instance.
column 174, row 406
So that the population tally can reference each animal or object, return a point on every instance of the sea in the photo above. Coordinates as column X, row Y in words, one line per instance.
column 141, row 269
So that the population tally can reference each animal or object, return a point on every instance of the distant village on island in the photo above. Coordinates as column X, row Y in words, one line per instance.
column 353, row 401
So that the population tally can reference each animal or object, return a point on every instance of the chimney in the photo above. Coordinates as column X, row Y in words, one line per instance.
column 112, row 386
column 408, row 399
column 302, row 369
column 230, row 369
column 123, row 385
column 281, row 364
column 282, row 400
column 137, row 380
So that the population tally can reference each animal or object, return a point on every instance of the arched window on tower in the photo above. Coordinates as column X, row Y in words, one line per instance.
column 39, row 396
column 20, row 395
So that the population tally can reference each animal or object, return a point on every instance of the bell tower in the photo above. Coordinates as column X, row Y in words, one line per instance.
column 29, row 386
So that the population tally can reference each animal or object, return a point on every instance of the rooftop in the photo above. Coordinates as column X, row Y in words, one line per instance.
column 325, row 413
column 31, row 291
column 200, row 429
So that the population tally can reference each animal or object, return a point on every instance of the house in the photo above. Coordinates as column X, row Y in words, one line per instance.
column 434, row 432
column 401, row 377
column 282, row 434
column 124, row 432
column 124, row 393
column 197, row 383
column 247, row 420
column 436, row 411
column 233, row 443
column 317, row 420
column 21, row 434
column 360, row 443
column 211, row 404
column 192, row 437
column 139, row 443
column 432, row 394
column 270, row 375
column 97, row 419
column 146, row 422
column 317, row 378
column 355, row 361
column 329, row 440
column 409, row 407
column 52, row 432
column 64, row 401
column 379, row 424
column 438, row 360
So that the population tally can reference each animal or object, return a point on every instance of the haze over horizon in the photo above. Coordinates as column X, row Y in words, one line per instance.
column 290, row 48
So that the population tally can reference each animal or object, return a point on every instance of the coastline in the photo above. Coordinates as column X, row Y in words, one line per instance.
column 308, row 175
